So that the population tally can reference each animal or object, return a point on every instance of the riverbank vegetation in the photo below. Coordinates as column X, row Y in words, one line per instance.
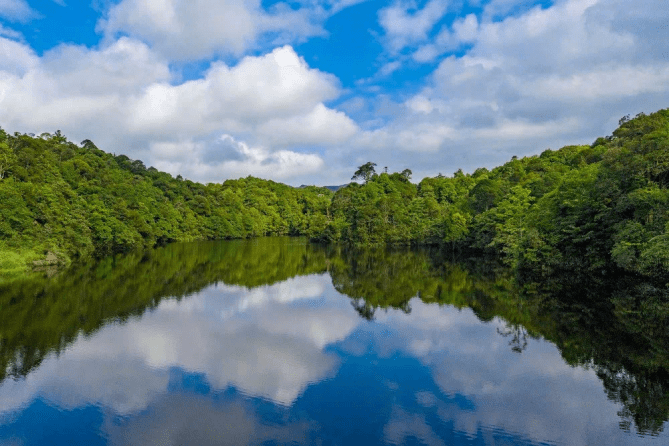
column 61, row 201
column 593, row 208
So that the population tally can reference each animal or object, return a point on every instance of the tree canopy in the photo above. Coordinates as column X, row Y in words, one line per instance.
column 602, row 207
column 365, row 172
column 74, row 200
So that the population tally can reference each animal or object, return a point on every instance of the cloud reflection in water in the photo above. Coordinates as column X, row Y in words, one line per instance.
column 294, row 361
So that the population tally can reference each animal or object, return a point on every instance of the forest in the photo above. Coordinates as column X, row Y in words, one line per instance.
column 62, row 201
column 599, row 208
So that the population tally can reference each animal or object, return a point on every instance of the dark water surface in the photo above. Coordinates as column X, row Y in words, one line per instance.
column 276, row 341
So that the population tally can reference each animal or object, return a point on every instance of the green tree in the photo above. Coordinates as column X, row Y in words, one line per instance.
column 7, row 160
column 509, row 222
column 365, row 172
column 456, row 226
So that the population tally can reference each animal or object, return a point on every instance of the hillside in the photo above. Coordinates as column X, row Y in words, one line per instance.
column 590, row 208
column 61, row 201
column 601, row 207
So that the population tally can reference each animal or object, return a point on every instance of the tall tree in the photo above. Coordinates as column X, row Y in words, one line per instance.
column 365, row 172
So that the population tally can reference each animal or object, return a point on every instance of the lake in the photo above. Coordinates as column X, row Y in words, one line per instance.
column 278, row 341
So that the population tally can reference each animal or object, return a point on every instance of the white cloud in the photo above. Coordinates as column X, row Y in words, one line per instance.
column 282, row 165
column 426, row 53
column 426, row 137
column 15, row 58
column 257, row 89
column 185, row 29
column 405, row 25
column 559, row 49
column 16, row 10
column 124, row 68
column 76, row 88
column 10, row 33
column 420, row 104
column 320, row 126
column 466, row 30
column 216, row 161
column 193, row 29
column 605, row 83
column 542, row 77
column 124, row 98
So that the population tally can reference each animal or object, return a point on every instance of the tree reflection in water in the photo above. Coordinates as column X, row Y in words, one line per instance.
column 617, row 327
column 518, row 335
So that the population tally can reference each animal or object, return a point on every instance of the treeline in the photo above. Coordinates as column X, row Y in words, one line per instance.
column 591, row 208
column 597, row 207
column 72, row 200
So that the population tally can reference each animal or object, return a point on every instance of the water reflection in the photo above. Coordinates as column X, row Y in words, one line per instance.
column 190, row 346
column 43, row 315
column 272, row 348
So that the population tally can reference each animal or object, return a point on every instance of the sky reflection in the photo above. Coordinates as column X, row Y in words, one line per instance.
column 295, row 362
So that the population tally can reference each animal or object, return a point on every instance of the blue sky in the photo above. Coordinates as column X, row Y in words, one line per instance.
column 305, row 91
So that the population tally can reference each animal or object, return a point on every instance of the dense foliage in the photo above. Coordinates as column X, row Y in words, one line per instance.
column 599, row 207
column 596, row 217
column 70, row 201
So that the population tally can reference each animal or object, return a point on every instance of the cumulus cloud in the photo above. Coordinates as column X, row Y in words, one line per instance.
column 257, row 89
column 124, row 97
column 193, row 29
column 513, row 79
column 16, row 10
column 417, row 137
column 598, row 84
column 215, row 161
column 15, row 58
column 540, row 77
column 74, row 87
column 319, row 127
column 405, row 25
column 184, row 29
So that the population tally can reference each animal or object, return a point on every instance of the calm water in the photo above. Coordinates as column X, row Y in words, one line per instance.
column 276, row 341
